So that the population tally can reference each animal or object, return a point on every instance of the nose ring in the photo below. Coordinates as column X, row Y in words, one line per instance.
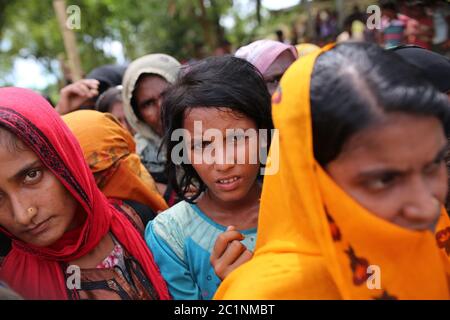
column 31, row 210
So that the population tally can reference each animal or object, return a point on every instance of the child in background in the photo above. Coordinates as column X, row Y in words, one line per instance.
column 393, row 28
column 222, row 93
column 419, row 28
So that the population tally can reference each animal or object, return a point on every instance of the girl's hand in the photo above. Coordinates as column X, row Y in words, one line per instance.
column 229, row 253
column 74, row 95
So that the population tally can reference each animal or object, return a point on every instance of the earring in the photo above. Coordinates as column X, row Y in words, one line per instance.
column 31, row 210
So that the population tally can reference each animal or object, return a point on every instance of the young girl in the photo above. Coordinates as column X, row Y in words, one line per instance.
column 223, row 95
column 69, row 241
column 356, row 208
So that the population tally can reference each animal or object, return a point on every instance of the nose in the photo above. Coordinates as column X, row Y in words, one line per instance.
column 158, row 114
column 223, row 167
column 271, row 87
column 159, row 103
column 224, row 159
column 423, row 206
column 22, row 214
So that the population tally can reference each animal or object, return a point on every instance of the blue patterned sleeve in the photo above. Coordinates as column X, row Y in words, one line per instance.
column 167, row 246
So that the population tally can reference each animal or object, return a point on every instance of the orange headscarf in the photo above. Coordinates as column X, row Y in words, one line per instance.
column 315, row 241
column 109, row 149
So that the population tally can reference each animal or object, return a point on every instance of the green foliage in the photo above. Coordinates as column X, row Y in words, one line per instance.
column 29, row 29
column 30, row 26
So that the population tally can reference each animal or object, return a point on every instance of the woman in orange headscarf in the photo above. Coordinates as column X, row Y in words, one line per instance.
column 109, row 149
column 355, row 209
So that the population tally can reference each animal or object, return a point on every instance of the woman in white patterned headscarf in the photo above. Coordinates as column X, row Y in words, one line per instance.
column 144, row 82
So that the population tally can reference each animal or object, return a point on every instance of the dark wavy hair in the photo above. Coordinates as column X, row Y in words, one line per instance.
column 214, row 82
column 356, row 84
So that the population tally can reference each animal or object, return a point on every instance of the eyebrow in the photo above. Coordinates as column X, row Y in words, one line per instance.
column 274, row 76
column 24, row 170
column 144, row 102
column 373, row 173
column 441, row 154
column 378, row 172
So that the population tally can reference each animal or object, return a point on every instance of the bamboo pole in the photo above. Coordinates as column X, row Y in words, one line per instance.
column 310, row 22
column 69, row 39
column 206, row 26
column 341, row 13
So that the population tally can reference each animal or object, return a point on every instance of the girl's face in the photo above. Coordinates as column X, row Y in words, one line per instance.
column 396, row 170
column 276, row 70
column 229, row 164
column 26, row 183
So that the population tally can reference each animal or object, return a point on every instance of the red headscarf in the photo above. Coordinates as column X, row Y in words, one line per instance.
column 37, row 272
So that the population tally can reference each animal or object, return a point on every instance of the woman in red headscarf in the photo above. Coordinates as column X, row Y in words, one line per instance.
column 69, row 240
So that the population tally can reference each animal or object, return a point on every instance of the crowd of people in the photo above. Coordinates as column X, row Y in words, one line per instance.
column 141, row 183
column 415, row 22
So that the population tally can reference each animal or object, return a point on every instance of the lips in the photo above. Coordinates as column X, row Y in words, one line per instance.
column 39, row 228
column 228, row 183
column 228, row 180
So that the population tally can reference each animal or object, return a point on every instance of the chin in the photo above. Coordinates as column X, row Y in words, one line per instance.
column 46, row 240
column 233, row 196
column 43, row 242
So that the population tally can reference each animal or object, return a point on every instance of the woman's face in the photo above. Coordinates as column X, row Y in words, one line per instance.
column 276, row 70
column 396, row 170
column 26, row 183
column 148, row 99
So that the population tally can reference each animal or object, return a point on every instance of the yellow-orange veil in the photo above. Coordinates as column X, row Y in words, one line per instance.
column 315, row 241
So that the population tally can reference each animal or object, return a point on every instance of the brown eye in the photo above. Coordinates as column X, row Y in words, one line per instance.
column 275, row 80
column 33, row 176
column 200, row 146
column 432, row 168
column 236, row 138
column 382, row 182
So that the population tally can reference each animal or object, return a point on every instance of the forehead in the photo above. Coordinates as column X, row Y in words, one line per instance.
column 151, row 82
column 14, row 155
column 216, row 118
column 117, row 109
column 400, row 140
column 280, row 64
column 10, row 142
